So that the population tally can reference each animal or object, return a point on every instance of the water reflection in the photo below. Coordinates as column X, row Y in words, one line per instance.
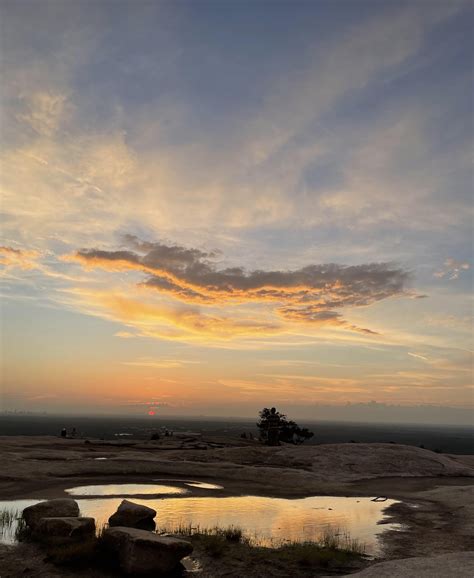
column 124, row 490
column 267, row 521
column 11, row 512
column 204, row 486
column 194, row 484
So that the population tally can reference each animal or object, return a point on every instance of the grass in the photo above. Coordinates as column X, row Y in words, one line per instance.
column 11, row 522
column 8, row 517
column 332, row 548
column 214, row 541
column 230, row 533
column 311, row 555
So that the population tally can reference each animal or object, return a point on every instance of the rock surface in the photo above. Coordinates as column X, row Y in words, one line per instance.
column 142, row 552
column 30, row 461
column 133, row 515
column 74, row 528
column 457, row 564
column 59, row 508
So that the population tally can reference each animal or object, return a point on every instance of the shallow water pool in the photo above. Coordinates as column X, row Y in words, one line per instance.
column 266, row 521
column 125, row 490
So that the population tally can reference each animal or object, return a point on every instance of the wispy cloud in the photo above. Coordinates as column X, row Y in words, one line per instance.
column 159, row 363
column 451, row 269
column 43, row 111
column 23, row 259
column 418, row 356
column 165, row 321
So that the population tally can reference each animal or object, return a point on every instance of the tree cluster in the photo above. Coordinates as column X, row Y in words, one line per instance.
column 288, row 431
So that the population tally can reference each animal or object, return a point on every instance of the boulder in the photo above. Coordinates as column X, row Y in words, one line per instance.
column 60, row 508
column 142, row 552
column 133, row 515
column 68, row 528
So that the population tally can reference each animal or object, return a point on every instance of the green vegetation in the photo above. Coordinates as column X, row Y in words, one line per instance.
column 230, row 534
column 332, row 549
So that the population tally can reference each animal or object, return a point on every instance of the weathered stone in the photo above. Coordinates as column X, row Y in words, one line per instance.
column 133, row 515
column 70, row 528
column 142, row 552
column 60, row 508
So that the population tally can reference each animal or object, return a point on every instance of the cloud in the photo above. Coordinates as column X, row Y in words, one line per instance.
column 125, row 334
column 145, row 402
column 418, row 356
column 164, row 321
column 312, row 314
column 452, row 269
column 43, row 111
column 311, row 294
column 42, row 397
column 72, row 166
column 20, row 258
column 150, row 362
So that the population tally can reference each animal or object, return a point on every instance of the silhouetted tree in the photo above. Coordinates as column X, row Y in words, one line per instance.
column 286, row 431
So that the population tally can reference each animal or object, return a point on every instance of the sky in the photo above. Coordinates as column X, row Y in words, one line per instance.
column 211, row 207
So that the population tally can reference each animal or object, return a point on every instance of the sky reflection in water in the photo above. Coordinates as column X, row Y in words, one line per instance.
column 124, row 490
column 265, row 520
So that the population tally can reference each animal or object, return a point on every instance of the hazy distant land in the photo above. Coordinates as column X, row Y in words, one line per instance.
column 447, row 439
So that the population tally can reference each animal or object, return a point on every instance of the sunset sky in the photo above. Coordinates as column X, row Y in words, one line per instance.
column 211, row 207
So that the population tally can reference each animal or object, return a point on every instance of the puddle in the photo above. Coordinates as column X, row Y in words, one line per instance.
column 10, row 512
column 266, row 521
column 194, row 484
column 204, row 486
column 125, row 490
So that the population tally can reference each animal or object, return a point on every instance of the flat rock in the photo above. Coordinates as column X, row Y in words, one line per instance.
column 457, row 564
column 59, row 508
column 65, row 527
column 133, row 515
column 142, row 552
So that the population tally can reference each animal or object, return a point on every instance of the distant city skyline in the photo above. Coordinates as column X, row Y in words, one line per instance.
column 211, row 207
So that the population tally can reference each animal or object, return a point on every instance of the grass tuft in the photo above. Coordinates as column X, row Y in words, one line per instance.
column 13, row 525
column 333, row 548
column 214, row 541
column 8, row 518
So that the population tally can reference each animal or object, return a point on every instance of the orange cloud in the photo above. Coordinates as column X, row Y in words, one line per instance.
column 179, row 322
column 309, row 295
column 10, row 257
